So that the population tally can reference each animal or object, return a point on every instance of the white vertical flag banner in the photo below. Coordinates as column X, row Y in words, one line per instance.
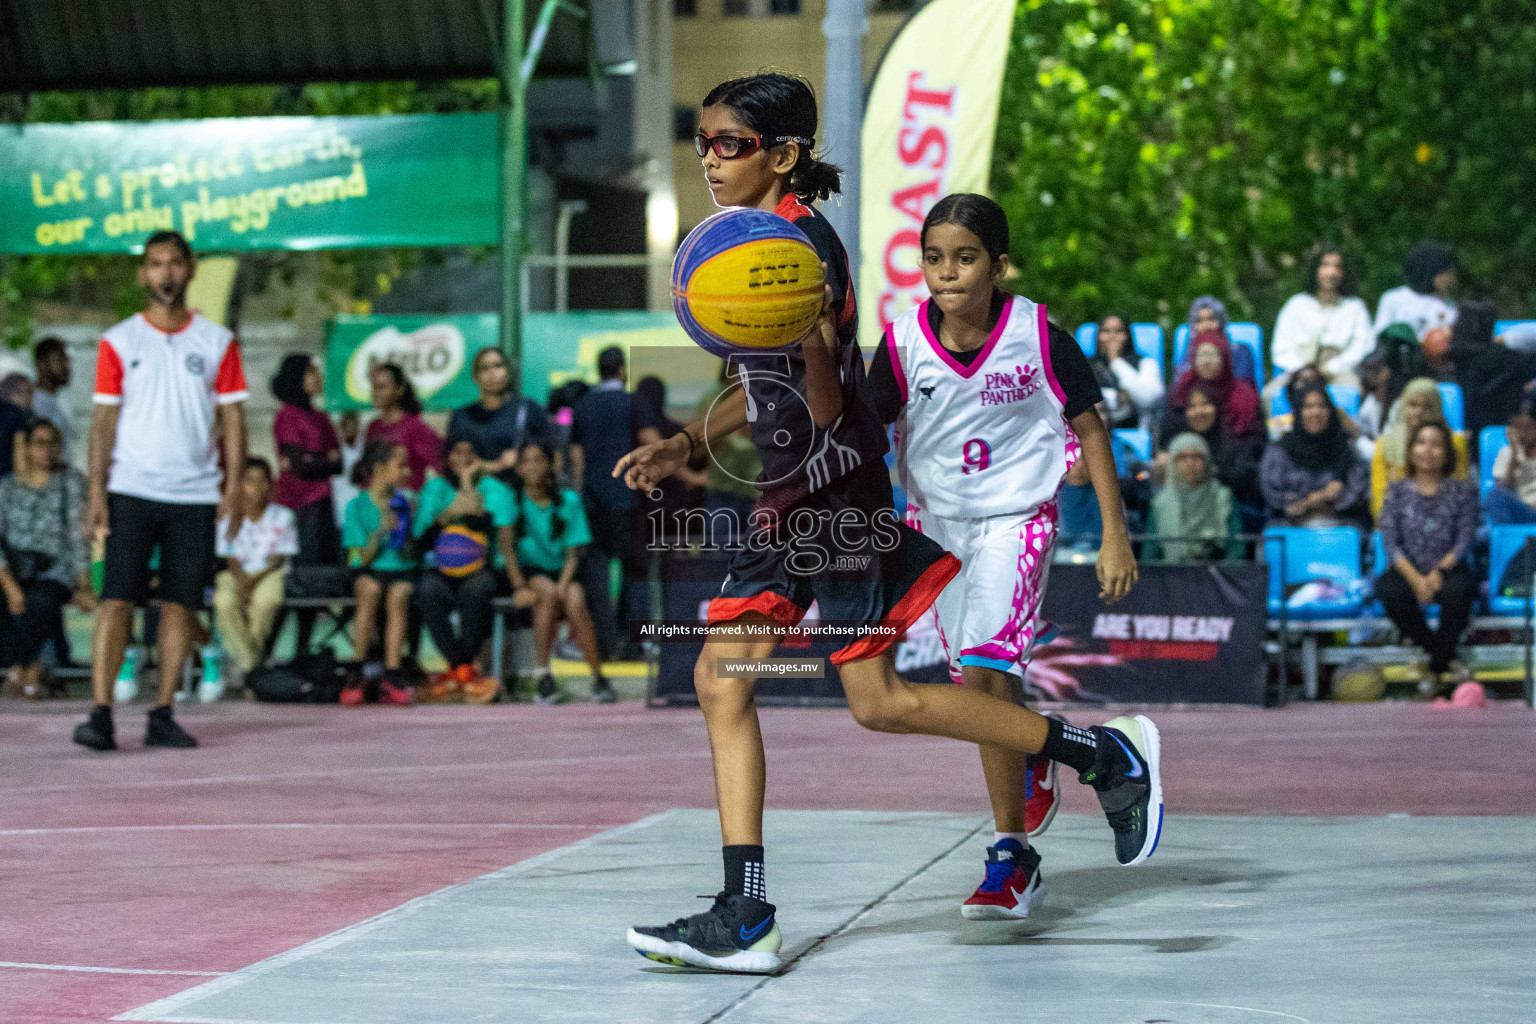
column 928, row 131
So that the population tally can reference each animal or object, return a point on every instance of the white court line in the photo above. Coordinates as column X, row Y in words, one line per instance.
column 162, row 1009
column 426, row 769
column 222, row 827
column 108, row 970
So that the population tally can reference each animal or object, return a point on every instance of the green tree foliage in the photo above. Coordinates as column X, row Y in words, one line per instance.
column 108, row 282
column 1150, row 151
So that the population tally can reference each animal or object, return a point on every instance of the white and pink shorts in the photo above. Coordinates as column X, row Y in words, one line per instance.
column 987, row 614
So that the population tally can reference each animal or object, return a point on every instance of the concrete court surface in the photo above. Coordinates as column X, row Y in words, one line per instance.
column 1285, row 888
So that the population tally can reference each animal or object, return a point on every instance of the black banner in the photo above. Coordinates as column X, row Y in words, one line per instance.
column 1186, row 634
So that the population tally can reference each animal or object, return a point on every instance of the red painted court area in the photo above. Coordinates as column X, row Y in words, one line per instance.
column 131, row 876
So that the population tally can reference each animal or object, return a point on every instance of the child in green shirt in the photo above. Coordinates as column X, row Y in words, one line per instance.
column 376, row 532
column 551, row 531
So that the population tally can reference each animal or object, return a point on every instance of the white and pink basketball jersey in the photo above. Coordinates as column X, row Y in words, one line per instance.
column 988, row 439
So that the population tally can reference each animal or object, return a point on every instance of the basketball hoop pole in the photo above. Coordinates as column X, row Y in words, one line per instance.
column 514, row 186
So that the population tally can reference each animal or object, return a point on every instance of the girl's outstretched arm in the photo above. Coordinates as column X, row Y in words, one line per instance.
column 1116, row 563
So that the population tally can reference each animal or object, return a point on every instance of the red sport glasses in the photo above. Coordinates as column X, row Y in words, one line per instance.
column 734, row 147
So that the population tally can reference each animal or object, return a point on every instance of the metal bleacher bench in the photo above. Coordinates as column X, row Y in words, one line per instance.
column 331, row 606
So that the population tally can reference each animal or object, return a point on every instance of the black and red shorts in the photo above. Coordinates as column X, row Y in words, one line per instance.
column 843, row 548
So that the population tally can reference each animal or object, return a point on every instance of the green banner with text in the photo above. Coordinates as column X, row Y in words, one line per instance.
column 250, row 183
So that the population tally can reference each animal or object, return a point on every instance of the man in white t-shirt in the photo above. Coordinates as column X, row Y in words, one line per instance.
column 164, row 379
column 248, row 593
column 1512, row 499
column 1425, row 301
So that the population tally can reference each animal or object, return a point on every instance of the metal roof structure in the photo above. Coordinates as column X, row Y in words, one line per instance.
column 121, row 44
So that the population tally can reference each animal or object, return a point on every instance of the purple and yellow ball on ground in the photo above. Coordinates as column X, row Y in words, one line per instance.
column 459, row 551
column 746, row 281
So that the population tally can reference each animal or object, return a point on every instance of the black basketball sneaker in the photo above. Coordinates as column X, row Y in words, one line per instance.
column 1127, row 774
column 737, row 933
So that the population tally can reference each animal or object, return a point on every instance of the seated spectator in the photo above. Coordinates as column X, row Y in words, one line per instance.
column 377, row 535
column 248, row 593
column 1326, row 326
column 43, row 555
column 1193, row 513
column 1132, row 383
column 1313, row 477
column 466, row 516
column 1424, row 302
column 351, row 435
column 1081, row 524
column 1494, row 378
column 552, row 529
column 1428, row 525
column 1512, row 498
column 1419, row 403
column 1294, row 384
column 1234, row 395
column 399, row 422
column 502, row 421
column 13, row 421
column 308, row 455
column 1210, row 314
column 1234, row 459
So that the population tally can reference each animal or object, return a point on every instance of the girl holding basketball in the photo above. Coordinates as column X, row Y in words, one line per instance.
column 825, row 490
column 993, row 404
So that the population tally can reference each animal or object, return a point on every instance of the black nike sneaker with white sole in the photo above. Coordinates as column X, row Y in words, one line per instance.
column 1127, row 774
column 737, row 933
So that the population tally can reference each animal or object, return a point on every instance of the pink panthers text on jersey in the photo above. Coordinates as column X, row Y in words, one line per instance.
column 988, row 439
column 168, row 386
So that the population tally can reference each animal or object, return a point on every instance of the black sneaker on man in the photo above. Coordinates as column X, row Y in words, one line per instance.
column 1127, row 774
column 162, row 731
column 549, row 692
column 737, row 933
column 96, row 732
column 602, row 691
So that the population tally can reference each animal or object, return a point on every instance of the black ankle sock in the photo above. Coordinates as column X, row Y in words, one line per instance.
column 744, row 872
column 161, row 711
column 1076, row 748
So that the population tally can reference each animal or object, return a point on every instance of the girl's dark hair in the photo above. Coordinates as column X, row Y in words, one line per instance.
column 1426, row 261
column 288, row 382
column 1130, row 336
column 1448, row 467
column 781, row 108
column 409, row 403
column 257, row 462
column 451, row 442
column 978, row 215
column 1347, row 282
column 375, row 454
column 566, row 395
column 552, row 486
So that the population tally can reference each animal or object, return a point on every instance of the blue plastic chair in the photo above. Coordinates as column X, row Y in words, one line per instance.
column 1146, row 339
column 1500, row 326
column 1139, row 441
column 1503, row 543
column 1344, row 396
column 1454, row 405
column 1248, row 335
column 1492, row 441
column 1297, row 554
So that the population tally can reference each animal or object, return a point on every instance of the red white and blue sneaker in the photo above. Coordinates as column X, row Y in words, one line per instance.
column 1012, row 885
column 1041, row 795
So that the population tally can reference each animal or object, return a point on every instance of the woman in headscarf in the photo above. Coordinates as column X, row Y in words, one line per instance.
column 1208, row 313
column 1234, row 459
column 308, row 455
column 1313, row 476
column 1417, row 405
column 1211, row 368
column 1194, row 507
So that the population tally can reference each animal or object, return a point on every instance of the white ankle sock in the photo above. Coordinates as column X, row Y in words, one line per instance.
column 1021, row 837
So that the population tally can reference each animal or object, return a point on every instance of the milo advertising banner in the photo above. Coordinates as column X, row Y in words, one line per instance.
column 434, row 351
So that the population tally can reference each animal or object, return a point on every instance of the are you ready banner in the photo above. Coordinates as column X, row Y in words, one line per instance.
column 250, row 183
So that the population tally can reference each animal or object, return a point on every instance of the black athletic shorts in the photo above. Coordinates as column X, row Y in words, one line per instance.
column 843, row 548
column 183, row 533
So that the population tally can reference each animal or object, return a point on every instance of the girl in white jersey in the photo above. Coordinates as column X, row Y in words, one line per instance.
column 993, row 405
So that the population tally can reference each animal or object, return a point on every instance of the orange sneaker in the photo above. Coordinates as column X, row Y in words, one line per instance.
column 482, row 690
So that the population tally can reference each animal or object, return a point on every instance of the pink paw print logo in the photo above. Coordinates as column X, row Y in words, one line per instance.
column 1025, row 374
